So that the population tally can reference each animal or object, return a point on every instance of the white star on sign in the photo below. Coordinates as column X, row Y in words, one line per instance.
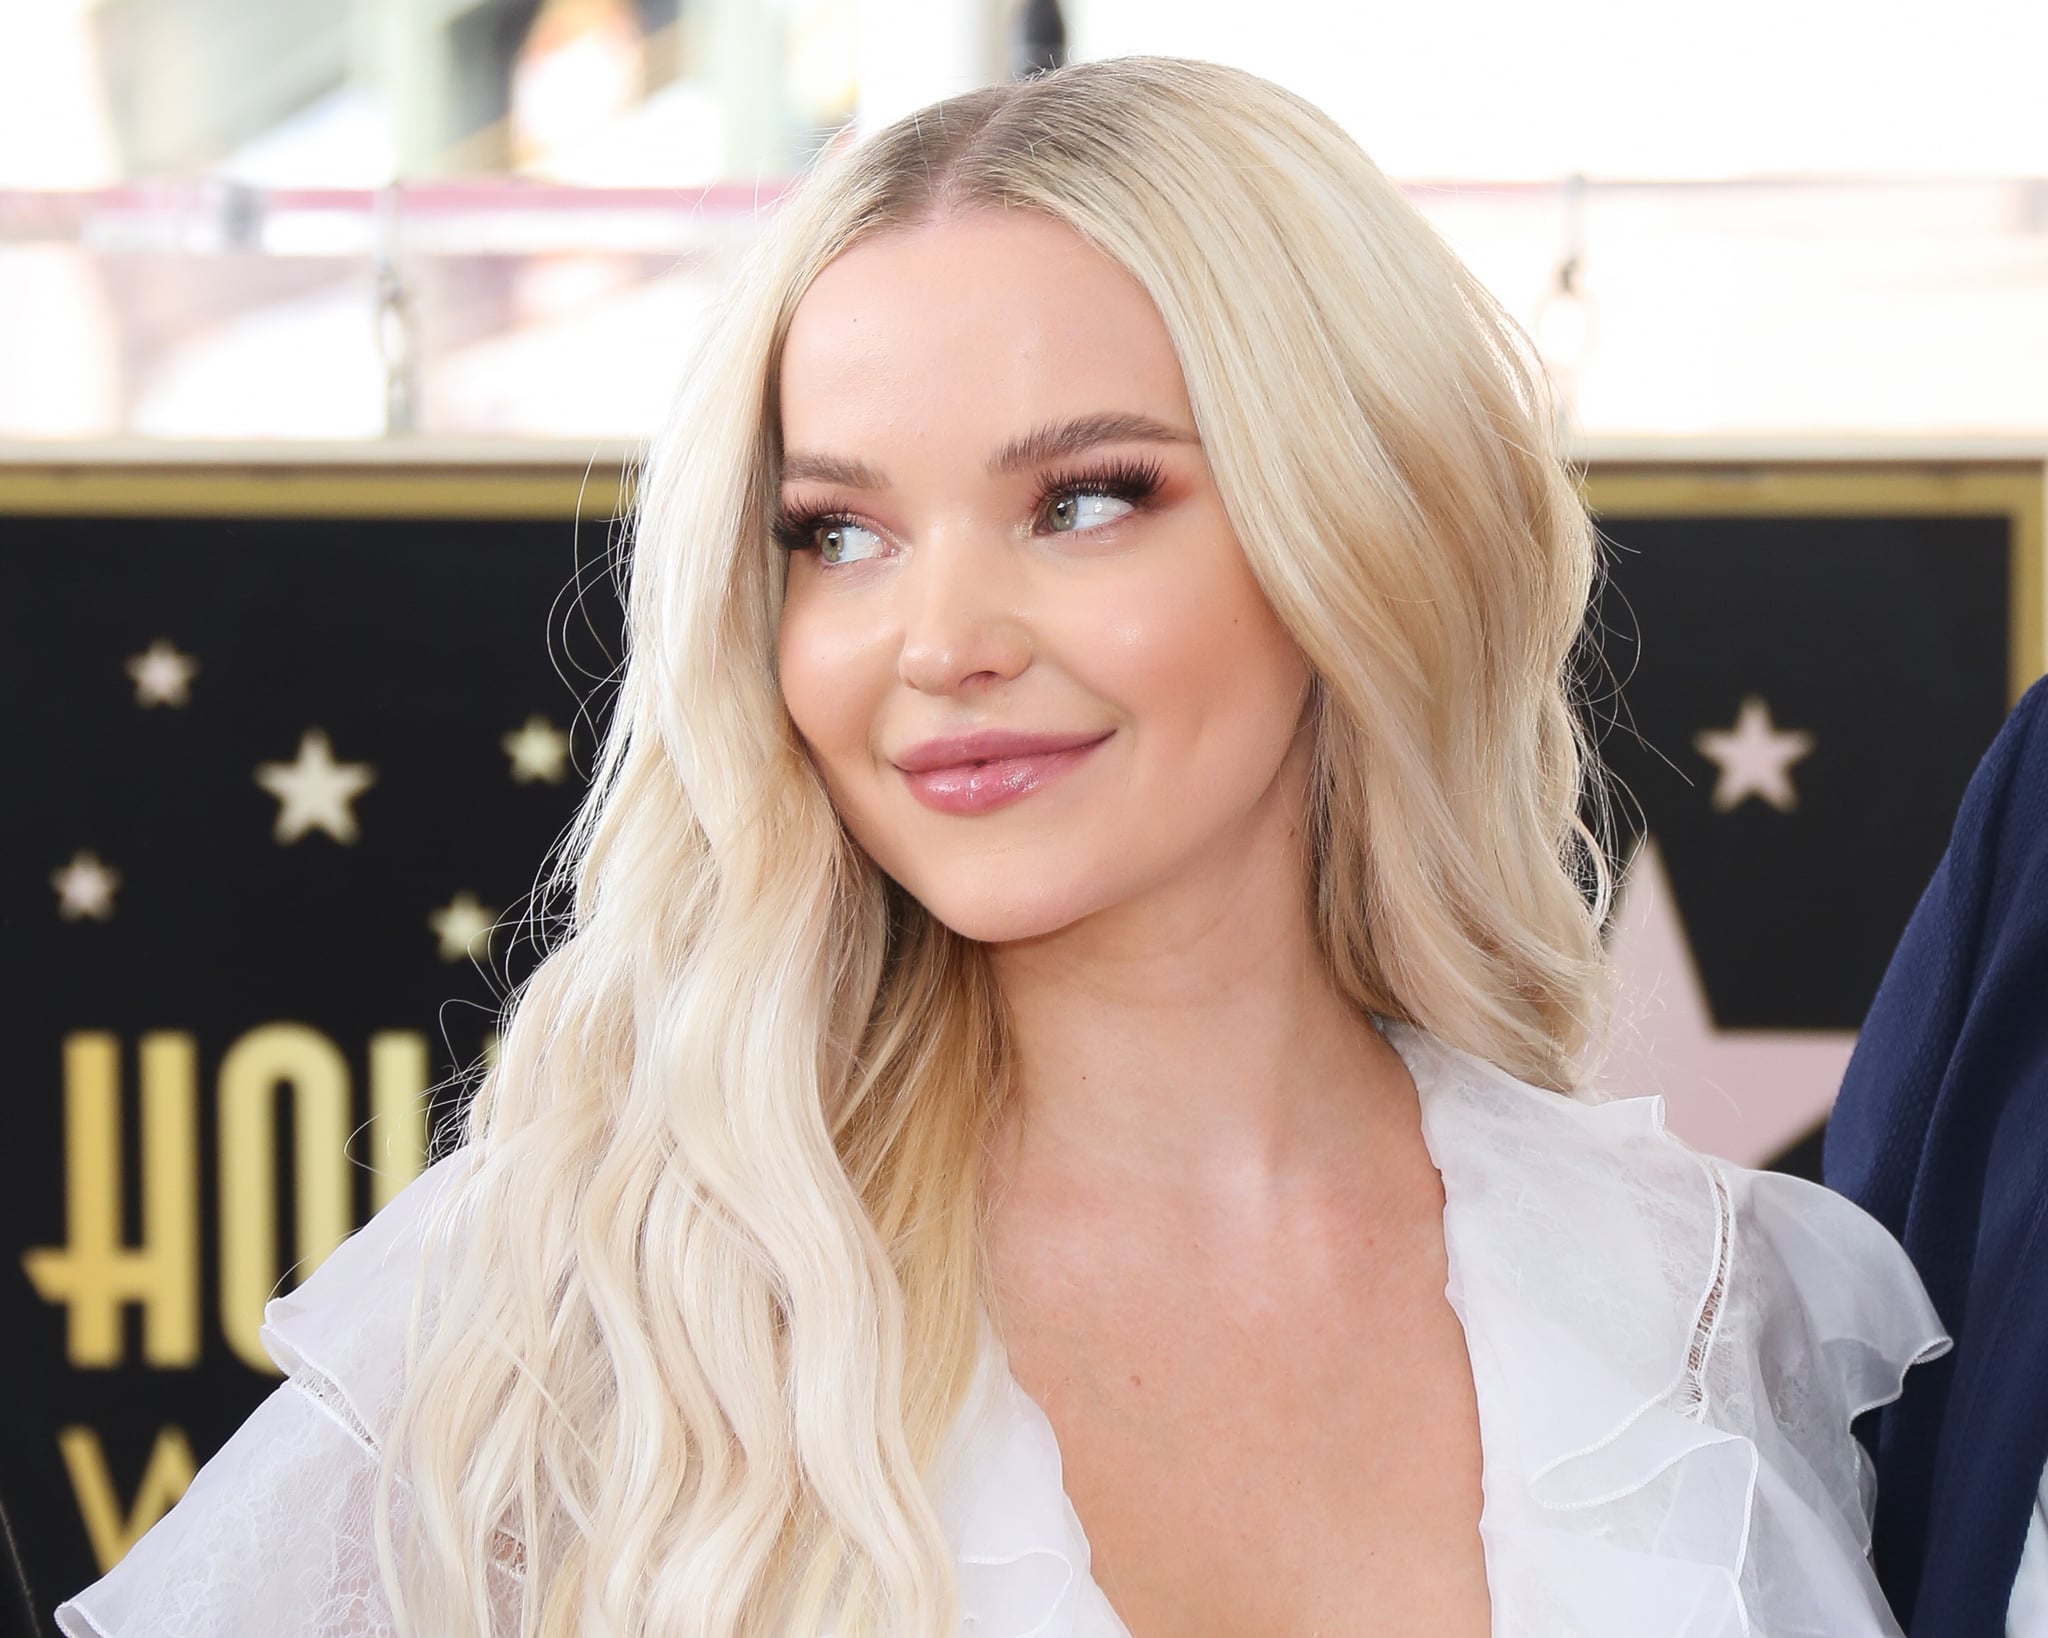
column 463, row 926
column 162, row 675
column 315, row 790
column 540, row 750
column 85, row 889
column 1755, row 758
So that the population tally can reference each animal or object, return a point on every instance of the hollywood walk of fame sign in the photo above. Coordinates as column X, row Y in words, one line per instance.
column 291, row 748
column 1800, row 667
column 299, row 742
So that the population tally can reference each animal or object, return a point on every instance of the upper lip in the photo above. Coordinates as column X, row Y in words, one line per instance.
column 987, row 745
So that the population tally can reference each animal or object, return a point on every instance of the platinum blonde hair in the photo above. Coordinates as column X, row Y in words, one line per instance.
column 717, row 1297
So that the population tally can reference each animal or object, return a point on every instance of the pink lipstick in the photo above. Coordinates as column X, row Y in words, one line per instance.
column 976, row 773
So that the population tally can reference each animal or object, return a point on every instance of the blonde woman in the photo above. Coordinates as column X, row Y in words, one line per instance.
column 1056, row 1113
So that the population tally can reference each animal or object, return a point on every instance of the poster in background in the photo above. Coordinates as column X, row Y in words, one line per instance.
column 290, row 747
column 289, row 751
column 1799, row 667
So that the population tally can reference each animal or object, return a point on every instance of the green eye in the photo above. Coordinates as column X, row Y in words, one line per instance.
column 843, row 542
column 1074, row 511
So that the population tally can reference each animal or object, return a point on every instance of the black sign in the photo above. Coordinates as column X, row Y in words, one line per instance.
column 1798, row 671
column 281, row 786
column 286, row 755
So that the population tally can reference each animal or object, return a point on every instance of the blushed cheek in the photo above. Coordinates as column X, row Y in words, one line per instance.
column 807, row 692
column 833, row 683
column 1200, row 660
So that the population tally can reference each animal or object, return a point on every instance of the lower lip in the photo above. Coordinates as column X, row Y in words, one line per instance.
column 981, row 787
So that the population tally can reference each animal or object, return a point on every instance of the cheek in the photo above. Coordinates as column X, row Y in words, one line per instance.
column 833, row 676
column 1199, row 660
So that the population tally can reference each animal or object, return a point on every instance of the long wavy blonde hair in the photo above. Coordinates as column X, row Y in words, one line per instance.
column 721, row 1270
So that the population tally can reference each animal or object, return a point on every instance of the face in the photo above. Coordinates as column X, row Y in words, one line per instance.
column 1019, row 636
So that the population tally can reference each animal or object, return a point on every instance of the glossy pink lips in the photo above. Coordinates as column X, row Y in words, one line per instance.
column 975, row 773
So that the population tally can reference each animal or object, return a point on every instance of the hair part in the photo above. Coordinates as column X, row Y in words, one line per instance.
column 721, row 1260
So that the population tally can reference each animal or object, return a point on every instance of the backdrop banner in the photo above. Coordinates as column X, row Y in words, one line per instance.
column 290, row 748
column 282, row 788
column 1797, row 671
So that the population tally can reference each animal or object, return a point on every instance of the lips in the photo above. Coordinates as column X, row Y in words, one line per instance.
column 975, row 773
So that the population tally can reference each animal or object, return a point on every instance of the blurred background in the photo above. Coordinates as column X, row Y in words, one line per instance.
column 500, row 218
column 329, row 329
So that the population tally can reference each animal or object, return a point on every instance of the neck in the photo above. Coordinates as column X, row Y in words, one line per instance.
column 1190, row 1044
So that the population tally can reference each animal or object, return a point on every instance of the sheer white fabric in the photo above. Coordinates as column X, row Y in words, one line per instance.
column 1668, row 1352
column 275, row 1534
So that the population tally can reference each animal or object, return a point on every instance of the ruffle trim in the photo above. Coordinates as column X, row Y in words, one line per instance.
column 1021, row 1555
column 340, row 1337
column 275, row 1533
column 1668, row 1352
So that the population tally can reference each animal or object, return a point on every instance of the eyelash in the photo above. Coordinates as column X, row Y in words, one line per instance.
column 1135, row 481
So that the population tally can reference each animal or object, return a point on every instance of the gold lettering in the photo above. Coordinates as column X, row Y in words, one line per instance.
column 255, row 1066
column 112, row 1532
column 95, row 1273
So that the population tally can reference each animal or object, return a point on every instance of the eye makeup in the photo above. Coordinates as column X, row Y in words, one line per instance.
column 796, row 529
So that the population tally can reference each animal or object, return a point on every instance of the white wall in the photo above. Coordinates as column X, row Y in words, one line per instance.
column 1638, row 88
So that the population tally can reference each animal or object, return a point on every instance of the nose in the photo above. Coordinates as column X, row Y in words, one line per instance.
column 962, row 628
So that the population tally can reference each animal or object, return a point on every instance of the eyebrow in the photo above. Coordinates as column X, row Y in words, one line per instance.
column 1050, row 442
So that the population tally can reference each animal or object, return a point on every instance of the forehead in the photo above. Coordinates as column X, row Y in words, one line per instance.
column 967, row 330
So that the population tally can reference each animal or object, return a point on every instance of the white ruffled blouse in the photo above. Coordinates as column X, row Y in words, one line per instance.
column 1668, row 1352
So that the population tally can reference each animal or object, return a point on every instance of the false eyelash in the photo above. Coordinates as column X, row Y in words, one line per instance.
column 1128, row 480
column 793, row 528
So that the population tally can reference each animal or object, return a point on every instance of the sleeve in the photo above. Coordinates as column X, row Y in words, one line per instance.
column 1823, row 1316
column 1892, row 1091
column 1941, row 1131
column 274, row 1535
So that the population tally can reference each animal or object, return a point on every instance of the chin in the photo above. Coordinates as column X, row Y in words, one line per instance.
column 992, row 911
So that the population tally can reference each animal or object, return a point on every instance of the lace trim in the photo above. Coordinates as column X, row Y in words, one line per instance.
column 508, row 1552
column 1691, row 1398
column 323, row 1391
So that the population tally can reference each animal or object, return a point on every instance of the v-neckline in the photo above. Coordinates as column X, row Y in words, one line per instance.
column 1089, row 1591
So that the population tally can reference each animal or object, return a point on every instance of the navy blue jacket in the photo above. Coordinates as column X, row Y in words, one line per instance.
column 1941, row 1133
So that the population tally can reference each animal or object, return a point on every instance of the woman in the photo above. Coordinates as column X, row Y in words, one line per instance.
column 1053, row 1114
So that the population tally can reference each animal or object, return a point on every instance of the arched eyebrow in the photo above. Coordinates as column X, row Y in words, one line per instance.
column 1056, row 440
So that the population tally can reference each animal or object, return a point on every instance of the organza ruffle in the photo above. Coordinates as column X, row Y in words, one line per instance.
column 1668, row 1352
column 276, row 1533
